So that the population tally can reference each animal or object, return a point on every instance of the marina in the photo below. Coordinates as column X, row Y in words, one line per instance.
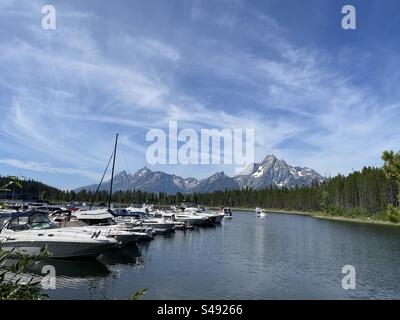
column 69, row 233
column 282, row 257
column 199, row 150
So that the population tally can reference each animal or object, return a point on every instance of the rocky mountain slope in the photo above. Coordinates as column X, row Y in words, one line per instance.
column 271, row 172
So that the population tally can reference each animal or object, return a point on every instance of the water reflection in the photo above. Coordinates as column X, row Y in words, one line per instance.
column 74, row 268
column 282, row 257
column 128, row 255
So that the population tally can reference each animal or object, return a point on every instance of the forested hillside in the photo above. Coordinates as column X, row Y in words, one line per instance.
column 14, row 188
column 367, row 192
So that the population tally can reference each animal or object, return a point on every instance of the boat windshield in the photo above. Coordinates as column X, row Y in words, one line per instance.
column 3, row 220
column 99, row 222
column 141, row 215
column 133, row 214
column 35, row 221
column 121, row 212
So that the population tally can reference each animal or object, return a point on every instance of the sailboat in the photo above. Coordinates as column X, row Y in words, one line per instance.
column 103, row 220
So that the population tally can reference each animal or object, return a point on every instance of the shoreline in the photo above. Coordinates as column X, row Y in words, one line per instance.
column 323, row 215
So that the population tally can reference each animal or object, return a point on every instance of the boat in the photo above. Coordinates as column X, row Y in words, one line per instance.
column 226, row 213
column 181, row 218
column 208, row 216
column 169, row 217
column 30, row 231
column 261, row 213
column 212, row 217
column 102, row 220
column 133, row 215
column 189, row 217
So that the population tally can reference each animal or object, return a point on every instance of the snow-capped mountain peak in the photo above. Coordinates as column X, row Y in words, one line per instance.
column 274, row 172
column 270, row 172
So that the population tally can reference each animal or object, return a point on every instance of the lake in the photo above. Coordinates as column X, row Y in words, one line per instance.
column 281, row 257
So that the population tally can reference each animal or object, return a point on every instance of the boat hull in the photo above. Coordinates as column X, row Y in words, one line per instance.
column 59, row 249
column 191, row 221
column 219, row 218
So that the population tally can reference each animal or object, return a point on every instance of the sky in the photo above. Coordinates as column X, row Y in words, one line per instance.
column 315, row 94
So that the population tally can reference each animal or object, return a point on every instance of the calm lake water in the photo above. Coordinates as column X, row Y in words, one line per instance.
column 281, row 257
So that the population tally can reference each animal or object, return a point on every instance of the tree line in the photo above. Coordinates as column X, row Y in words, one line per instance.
column 369, row 189
column 366, row 192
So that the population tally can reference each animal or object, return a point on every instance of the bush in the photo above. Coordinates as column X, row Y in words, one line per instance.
column 350, row 213
column 11, row 285
column 393, row 213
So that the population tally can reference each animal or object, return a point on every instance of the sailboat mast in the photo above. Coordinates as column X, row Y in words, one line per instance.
column 112, row 172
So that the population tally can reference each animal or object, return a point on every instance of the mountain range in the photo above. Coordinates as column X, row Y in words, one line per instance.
column 271, row 172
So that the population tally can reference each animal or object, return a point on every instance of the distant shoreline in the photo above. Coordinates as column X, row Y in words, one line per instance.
column 323, row 215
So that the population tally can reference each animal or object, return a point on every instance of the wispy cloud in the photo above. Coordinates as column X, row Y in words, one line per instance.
column 48, row 168
column 64, row 93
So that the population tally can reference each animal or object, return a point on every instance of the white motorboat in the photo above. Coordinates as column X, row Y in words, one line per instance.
column 102, row 220
column 100, row 217
column 135, row 215
column 226, row 213
column 189, row 219
column 261, row 213
column 180, row 218
column 169, row 217
column 28, row 232
column 211, row 217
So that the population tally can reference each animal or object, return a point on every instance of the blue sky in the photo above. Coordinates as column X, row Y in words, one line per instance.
column 315, row 94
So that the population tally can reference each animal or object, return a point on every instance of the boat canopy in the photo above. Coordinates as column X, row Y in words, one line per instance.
column 97, row 214
column 31, row 219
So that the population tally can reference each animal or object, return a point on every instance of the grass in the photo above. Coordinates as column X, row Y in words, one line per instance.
column 354, row 215
column 346, row 215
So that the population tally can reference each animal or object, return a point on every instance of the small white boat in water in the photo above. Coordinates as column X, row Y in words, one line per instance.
column 226, row 213
column 261, row 213
column 29, row 232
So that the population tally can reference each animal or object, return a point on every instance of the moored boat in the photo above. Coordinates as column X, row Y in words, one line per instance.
column 261, row 213
column 30, row 231
column 226, row 213
column 102, row 220
column 136, row 216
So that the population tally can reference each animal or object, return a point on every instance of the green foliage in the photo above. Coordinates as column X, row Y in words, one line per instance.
column 138, row 294
column 365, row 193
column 28, row 189
column 12, row 286
column 393, row 213
column 391, row 168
